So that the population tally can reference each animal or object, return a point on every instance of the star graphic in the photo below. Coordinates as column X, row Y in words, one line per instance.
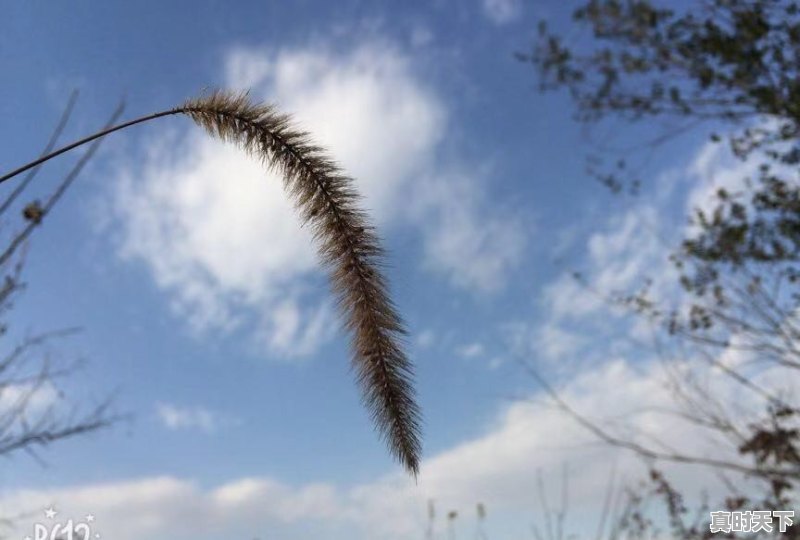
column 89, row 518
column 50, row 512
column 97, row 535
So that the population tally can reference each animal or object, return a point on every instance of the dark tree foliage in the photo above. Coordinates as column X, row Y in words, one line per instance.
column 734, row 66
column 726, row 61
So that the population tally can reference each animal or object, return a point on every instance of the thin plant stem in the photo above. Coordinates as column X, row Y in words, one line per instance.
column 88, row 139
column 62, row 123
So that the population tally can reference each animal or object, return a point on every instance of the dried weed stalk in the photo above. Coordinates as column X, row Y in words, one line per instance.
column 328, row 203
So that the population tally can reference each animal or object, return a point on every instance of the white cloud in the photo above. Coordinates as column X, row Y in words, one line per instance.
column 556, row 342
column 619, row 257
column 625, row 253
column 474, row 247
column 497, row 468
column 33, row 399
column 175, row 417
column 166, row 506
column 290, row 336
column 502, row 11
column 366, row 107
column 213, row 230
column 220, row 235
column 375, row 103
column 635, row 245
column 712, row 168
column 582, row 342
column 624, row 387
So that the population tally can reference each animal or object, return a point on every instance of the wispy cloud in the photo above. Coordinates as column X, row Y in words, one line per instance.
column 474, row 246
column 175, row 417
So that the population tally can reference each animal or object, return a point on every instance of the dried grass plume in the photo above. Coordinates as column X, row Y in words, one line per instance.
column 348, row 245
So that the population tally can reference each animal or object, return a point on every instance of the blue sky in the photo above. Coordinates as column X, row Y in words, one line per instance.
column 205, row 313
